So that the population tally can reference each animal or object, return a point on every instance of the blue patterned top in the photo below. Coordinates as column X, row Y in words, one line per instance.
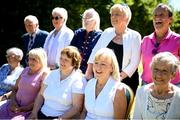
column 8, row 78
column 85, row 44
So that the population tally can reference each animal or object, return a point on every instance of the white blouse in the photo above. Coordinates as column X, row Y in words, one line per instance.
column 58, row 94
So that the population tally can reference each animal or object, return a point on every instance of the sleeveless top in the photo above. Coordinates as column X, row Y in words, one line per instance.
column 95, row 106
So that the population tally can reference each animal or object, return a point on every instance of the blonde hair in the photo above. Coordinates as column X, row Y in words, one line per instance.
column 61, row 11
column 110, row 54
column 17, row 51
column 125, row 9
column 95, row 16
column 40, row 55
column 168, row 58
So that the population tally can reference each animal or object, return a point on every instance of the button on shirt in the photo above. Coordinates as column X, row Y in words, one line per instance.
column 85, row 44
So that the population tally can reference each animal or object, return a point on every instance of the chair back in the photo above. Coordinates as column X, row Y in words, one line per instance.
column 130, row 99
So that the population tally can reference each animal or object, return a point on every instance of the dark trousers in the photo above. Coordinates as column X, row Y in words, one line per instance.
column 42, row 116
column 132, row 82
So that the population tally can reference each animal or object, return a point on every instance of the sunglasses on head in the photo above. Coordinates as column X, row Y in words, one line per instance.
column 57, row 17
column 155, row 50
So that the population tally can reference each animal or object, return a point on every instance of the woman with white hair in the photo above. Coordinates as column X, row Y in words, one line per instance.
column 27, row 86
column 10, row 71
column 159, row 99
column 58, row 38
column 124, row 41
column 85, row 38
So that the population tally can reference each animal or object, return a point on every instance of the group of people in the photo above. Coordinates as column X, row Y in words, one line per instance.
column 83, row 74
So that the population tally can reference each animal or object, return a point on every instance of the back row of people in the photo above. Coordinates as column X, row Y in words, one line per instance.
column 125, row 42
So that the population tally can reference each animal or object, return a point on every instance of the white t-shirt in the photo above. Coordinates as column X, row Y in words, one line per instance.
column 58, row 94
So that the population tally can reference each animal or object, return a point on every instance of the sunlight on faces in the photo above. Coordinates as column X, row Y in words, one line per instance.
column 66, row 63
column 34, row 63
column 30, row 27
column 12, row 58
column 164, row 67
column 161, row 19
column 120, row 15
column 62, row 13
column 102, row 67
column 161, row 73
column 59, row 22
column 88, row 21
column 14, row 55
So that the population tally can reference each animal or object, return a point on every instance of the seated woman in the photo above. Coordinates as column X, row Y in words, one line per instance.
column 61, row 95
column 105, row 94
column 26, row 88
column 10, row 71
column 160, row 99
column 85, row 38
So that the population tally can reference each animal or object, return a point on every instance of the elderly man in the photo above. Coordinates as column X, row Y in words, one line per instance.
column 34, row 38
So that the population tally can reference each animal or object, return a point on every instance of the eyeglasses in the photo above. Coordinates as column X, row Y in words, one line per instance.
column 57, row 17
column 10, row 56
column 155, row 50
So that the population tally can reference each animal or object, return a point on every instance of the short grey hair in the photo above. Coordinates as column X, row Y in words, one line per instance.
column 168, row 58
column 32, row 19
column 16, row 51
column 61, row 11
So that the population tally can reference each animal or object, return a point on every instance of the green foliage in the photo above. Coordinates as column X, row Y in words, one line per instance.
column 141, row 13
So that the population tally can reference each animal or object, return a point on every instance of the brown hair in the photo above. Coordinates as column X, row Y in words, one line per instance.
column 73, row 53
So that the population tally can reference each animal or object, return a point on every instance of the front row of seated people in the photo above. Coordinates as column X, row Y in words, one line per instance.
column 27, row 86
column 64, row 93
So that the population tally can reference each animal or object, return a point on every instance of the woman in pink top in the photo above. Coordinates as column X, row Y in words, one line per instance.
column 26, row 88
column 163, row 39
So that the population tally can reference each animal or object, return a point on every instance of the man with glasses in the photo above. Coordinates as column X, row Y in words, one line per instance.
column 161, row 40
column 34, row 38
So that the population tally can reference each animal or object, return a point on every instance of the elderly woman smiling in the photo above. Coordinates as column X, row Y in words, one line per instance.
column 160, row 99
column 58, row 38
column 26, row 88
column 10, row 71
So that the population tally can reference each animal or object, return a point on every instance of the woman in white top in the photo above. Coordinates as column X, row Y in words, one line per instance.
column 58, row 38
column 160, row 99
column 105, row 95
column 61, row 95
column 124, row 42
